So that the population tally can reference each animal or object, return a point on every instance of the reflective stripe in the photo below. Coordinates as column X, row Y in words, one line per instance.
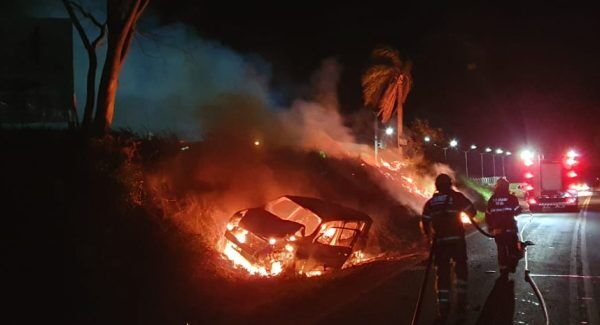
column 448, row 238
column 502, row 210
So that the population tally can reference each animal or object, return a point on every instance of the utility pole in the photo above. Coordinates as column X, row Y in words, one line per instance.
column 481, row 156
column 376, row 140
column 466, row 164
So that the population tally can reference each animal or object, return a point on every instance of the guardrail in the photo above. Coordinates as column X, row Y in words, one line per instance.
column 486, row 180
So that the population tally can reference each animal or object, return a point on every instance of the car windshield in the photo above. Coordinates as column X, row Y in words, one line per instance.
column 339, row 233
column 286, row 209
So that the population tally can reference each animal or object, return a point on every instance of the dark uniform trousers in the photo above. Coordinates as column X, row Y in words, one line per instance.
column 509, row 253
column 451, row 251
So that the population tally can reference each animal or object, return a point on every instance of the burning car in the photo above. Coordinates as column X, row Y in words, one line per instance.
column 296, row 234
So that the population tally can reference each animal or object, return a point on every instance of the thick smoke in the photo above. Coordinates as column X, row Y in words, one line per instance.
column 174, row 81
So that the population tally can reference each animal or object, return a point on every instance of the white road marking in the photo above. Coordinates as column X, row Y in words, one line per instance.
column 575, row 276
column 592, row 309
column 573, row 305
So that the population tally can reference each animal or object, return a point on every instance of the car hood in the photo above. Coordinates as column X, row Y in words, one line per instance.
column 266, row 224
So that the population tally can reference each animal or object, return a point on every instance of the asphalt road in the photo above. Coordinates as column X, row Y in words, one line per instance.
column 564, row 263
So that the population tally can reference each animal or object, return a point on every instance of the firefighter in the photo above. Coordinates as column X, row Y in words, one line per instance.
column 441, row 223
column 500, row 218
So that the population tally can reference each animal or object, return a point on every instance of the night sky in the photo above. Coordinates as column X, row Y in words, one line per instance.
column 503, row 76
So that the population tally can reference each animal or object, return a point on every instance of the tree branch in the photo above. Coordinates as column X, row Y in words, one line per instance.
column 86, row 14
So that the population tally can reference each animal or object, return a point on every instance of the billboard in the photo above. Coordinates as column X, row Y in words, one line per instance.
column 36, row 71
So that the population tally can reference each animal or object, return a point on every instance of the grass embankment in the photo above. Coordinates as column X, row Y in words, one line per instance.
column 85, row 226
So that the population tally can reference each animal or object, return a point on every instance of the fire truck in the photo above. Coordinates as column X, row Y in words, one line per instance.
column 551, row 184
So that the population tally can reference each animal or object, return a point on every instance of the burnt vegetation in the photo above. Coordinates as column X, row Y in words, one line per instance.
column 105, row 225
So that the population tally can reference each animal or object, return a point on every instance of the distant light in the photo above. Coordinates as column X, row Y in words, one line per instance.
column 184, row 148
column 532, row 201
column 499, row 151
column 529, row 188
column 488, row 149
column 572, row 174
column 473, row 147
column 508, row 153
column 256, row 143
column 453, row 143
column 389, row 130
column 528, row 175
column 272, row 241
column 571, row 161
column 572, row 154
column 427, row 138
column 527, row 154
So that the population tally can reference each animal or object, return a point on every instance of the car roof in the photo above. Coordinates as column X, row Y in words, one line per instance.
column 328, row 211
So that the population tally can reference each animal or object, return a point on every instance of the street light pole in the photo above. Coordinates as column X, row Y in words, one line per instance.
column 376, row 140
column 473, row 147
column 481, row 156
column 466, row 164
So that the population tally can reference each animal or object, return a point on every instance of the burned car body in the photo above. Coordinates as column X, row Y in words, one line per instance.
column 297, row 234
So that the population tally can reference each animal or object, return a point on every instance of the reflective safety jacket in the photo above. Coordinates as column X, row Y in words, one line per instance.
column 441, row 215
column 501, row 211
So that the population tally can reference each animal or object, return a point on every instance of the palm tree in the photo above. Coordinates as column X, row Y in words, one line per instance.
column 386, row 84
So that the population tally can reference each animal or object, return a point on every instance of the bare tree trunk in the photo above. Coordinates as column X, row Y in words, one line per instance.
column 400, row 129
column 122, row 17
column 90, row 90
column 107, row 91
column 92, row 58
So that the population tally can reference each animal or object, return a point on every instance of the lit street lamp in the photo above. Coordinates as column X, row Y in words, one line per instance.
column 473, row 147
column 487, row 150
column 427, row 139
column 498, row 151
column 453, row 143
column 389, row 130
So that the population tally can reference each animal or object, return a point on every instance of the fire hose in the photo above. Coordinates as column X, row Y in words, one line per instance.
column 417, row 311
column 528, row 278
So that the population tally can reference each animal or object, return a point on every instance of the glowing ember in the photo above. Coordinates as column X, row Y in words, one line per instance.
column 289, row 248
column 276, row 268
column 329, row 232
column 464, row 218
column 313, row 273
column 241, row 236
column 239, row 261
